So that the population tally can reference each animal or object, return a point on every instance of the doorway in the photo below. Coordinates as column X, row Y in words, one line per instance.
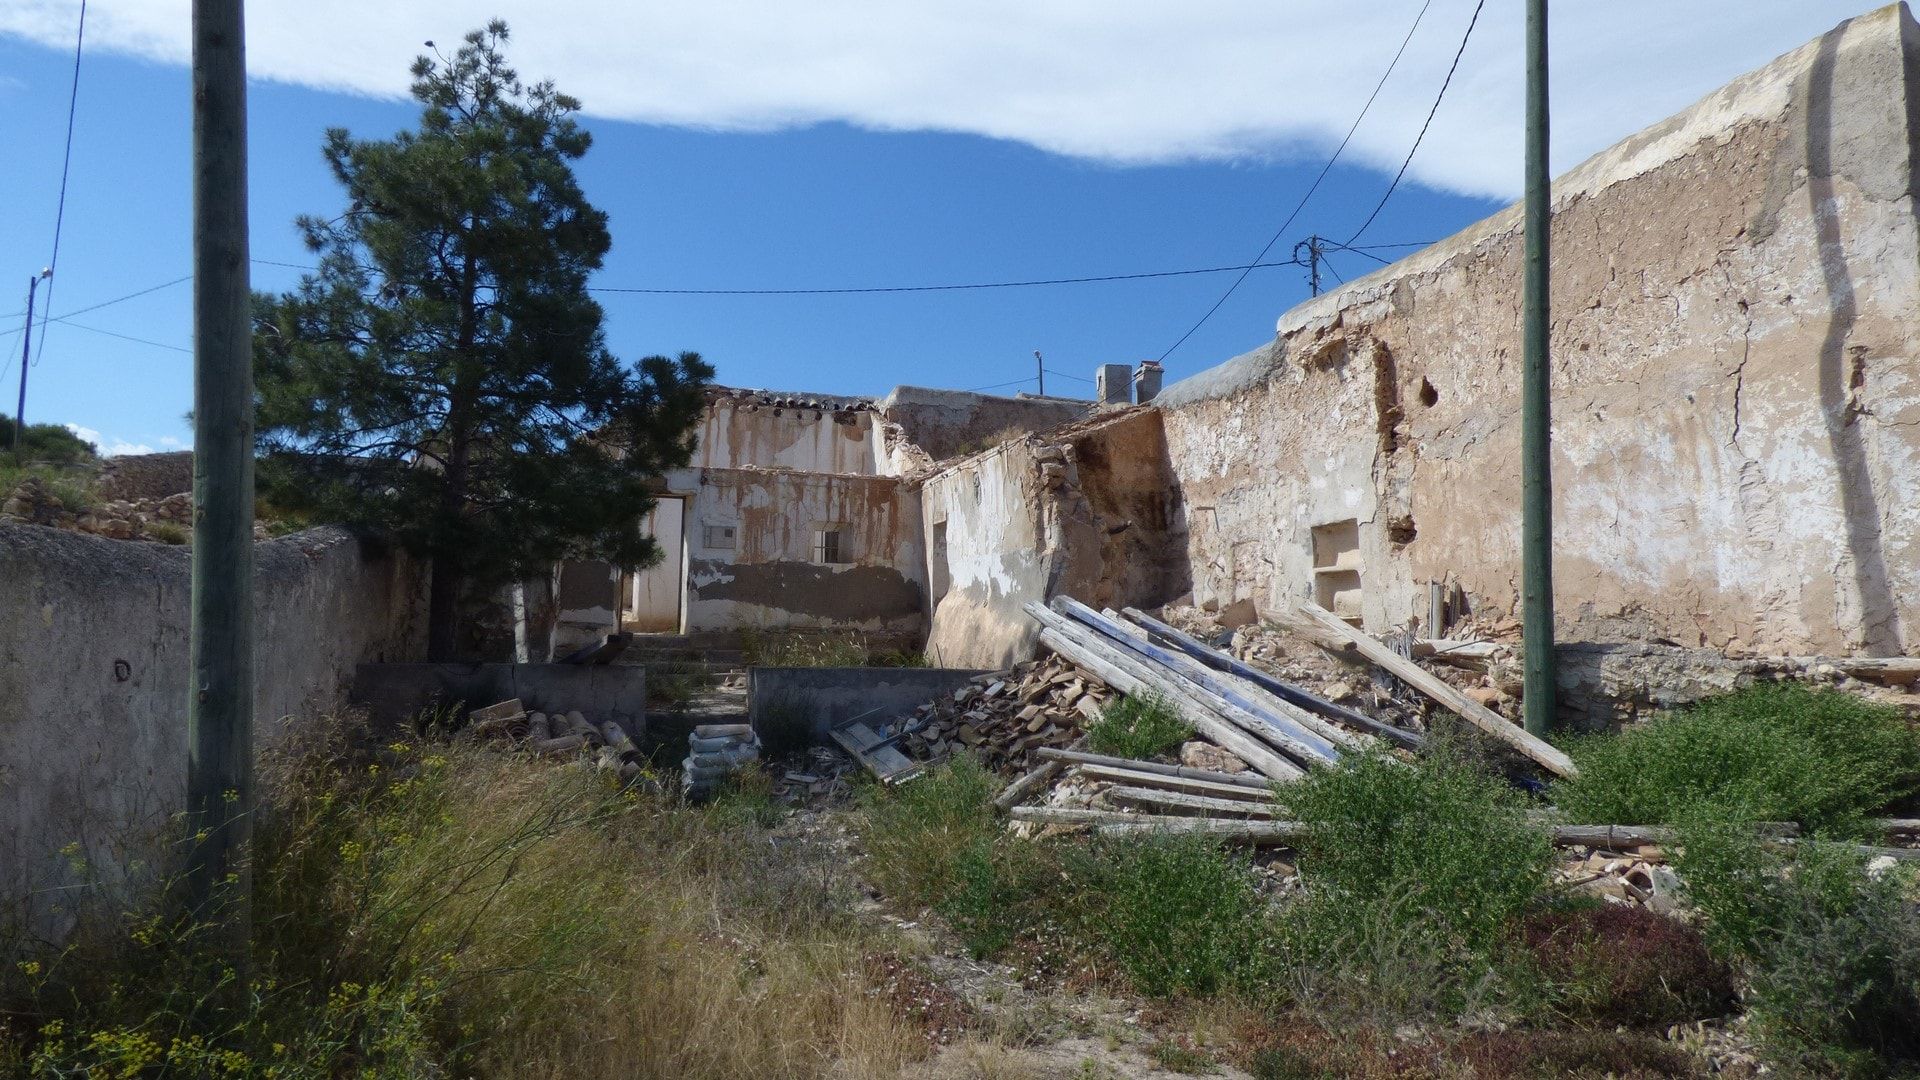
column 656, row 596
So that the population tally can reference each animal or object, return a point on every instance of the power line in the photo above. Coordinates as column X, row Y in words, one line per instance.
column 64, row 321
column 1064, row 375
column 1437, row 98
column 66, row 166
column 1315, row 186
column 1244, row 269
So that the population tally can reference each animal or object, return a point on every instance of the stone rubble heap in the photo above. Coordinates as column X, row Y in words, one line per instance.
column 1003, row 717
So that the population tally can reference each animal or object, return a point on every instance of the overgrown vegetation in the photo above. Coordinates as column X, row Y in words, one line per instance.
column 46, row 444
column 1832, row 950
column 820, row 648
column 1773, row 752
column 1140, row 726
column 405, row 926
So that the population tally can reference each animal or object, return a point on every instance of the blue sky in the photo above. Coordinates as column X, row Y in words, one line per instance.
column 773, row 174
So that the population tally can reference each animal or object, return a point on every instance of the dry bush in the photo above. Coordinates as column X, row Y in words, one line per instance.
column 1627, row 966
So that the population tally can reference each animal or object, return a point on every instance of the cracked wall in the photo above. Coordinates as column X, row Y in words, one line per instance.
column 1737, row 410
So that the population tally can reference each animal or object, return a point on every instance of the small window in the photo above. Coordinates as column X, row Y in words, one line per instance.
column 717, row 537
column 829, row 546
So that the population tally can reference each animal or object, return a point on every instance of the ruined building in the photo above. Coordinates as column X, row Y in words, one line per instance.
column 1736, row 299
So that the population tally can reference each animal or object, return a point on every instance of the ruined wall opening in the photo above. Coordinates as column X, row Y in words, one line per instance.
column 1429, row 397
column 830, row 547
column 1336, row 568
column 939, row 577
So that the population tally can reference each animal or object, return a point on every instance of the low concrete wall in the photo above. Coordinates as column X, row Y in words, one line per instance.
column 394, row 693
column 780, row 699
column 94, row 676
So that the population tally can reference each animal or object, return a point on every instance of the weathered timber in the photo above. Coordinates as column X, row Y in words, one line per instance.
column 1473, row 712
column 1222, row 668
column 1211, row 790
column 1282, row 690
column 1126, row 674
column 1078, row 757
column 1175, row 802
column 1174, row 667
column 1035, row 779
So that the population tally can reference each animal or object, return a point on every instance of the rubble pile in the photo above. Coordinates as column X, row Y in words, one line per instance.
column 825, row 775
column 1002, row 718
column 607, row 745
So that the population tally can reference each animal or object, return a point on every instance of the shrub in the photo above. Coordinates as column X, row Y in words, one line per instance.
column 1140, row 727
column 168, row 532
column 1615, row 965
column 1833, row 952
column 1180, row 915
column 1440, row 841
column 1772, row 752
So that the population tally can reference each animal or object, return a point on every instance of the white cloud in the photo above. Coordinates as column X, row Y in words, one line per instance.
column 171, row 443
column 1116, row 82
column 110, row 447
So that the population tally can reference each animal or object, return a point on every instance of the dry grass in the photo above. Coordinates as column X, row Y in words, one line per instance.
column 449, row 911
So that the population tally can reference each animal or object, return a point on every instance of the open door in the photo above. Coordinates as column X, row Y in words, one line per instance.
column 656, row 594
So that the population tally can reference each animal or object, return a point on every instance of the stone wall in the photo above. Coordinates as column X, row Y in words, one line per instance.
column 809, row 433
column 771, row 575
column 1736, row 409
column 799, row 705
column 950, row 423
column 94, row 678
column 1089, row 511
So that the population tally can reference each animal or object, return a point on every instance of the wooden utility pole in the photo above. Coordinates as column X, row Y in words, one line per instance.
column 220, row 701
column 1040, row 372
column 1536, row 460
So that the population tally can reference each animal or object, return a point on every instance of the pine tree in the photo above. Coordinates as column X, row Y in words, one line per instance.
column 442, row 379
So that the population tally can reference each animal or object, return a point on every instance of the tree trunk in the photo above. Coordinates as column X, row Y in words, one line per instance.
column 443, row 608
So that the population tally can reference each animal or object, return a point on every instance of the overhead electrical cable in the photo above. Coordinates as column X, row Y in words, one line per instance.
column 1315, row 186
column 66, row 167
column 1437, row 98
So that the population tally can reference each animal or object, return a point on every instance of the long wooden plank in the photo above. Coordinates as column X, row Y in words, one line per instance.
column 1175, row 783
column 1202, row 655
column 1470, row 710
column 1085, row 648
column 1174, row 802
column 1119, row 673
column 1283, row 690
column 1081, row 757
column 1169, row 669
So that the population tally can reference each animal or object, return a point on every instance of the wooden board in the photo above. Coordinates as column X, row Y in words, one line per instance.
column 1420, row 679
column 875, row 752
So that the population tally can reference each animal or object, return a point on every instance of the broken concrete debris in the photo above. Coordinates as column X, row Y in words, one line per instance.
column 605, row 745
column 716, row 752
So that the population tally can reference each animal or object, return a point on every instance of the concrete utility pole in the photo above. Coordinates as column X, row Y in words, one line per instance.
column 1536, row 457
column 26, row 346
column 220, row 701
column 1040, row 372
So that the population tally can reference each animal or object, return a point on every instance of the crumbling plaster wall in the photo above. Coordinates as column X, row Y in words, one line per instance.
column 770, row 579
column 1736, row 403
column 949, row 423
column 94, row 681
column 822, row 434
column 1089, row 511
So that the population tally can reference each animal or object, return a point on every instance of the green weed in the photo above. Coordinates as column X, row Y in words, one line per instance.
column 1772, row 752
column 1832, row 952
column 1139, row 727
